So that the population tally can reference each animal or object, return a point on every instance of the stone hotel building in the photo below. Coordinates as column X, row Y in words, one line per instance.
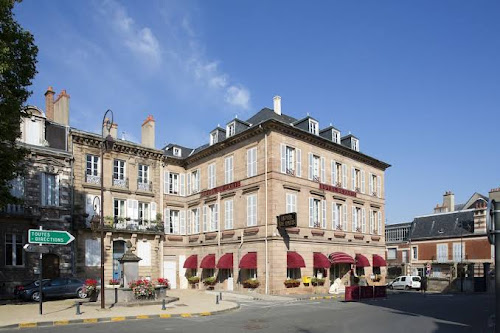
column 221, row 202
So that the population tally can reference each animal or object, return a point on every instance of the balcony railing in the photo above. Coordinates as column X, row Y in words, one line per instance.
column 91, row 179
column 13, row 209
column 290, row 172
column 146, row 187
column 122, row 183
column 316, row 179
column 119, row 223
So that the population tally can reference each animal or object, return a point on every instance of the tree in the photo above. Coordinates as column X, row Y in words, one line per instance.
column 17, row 69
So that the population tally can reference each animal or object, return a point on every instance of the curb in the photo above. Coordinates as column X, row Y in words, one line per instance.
column 114, row 319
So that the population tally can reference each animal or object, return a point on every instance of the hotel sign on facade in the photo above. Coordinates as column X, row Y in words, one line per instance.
column 287, row 220
column 222, row 188
column 337, row 190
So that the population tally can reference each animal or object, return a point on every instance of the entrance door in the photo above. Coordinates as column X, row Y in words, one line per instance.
column 169, row 272
column 227, row 275
column 50, row 263
column 118, row 252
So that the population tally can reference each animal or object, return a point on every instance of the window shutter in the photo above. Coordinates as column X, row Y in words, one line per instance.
column 130, row 208
column 311, row 166
column 183, row 184
column 344, row 176
column 249, row 210
column 249, row 163
column 354, row 219
column 254, row 209
column 372, row 223
column 353, row 178
column 334, row 173
column 166, row 182
column 205, row 227
column 166, row 219
column 323, row 170
column 153, row 211
column 43, row 192
column 298, row 172
column 288, row 202
column 323, row 213
column 362, row 181
column 136, row 209
column 370, row 182
column 214, row 176
column 311, row 212
column 363, row 220
column 89, row 207
column 254, row 162
column 379, row 187
column 56, row 190
column 198, row 180
column 209, row 176
column 188, row 178
column 188, row 222
column 344, row 213
column 379, row 227
column 216, row 218
column 182, row 214
column 283, row 157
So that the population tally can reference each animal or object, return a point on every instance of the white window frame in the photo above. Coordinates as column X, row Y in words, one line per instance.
column 213, row 211
column 119, row 170
column 177, row 151
column 49, row 189
column 335, row 136
column 173, row 183
column 315, row 213
column 144, row 210
column 337, row 212
column 174, row 222
column 456, row 256
column 214, row 137
column 230, row 129
column 252, row 162
column 212, row 181
column 291, row 203
column 228, row 214
column 414, row 253
column 389, row 251
column 290, row 159
column 119, row 205
column 355, row 144
column 15, row 242
column 228, row 169
column 95, row 166
column 195, row 181
column 313, row 127
column 251, row 210
column 143, row 174
column 196, row 220
column 442, row 252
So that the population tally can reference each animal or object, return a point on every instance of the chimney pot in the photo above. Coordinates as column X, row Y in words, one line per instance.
column 148, row 132
column 61, row 108
column 277, row 105
column 49, row 103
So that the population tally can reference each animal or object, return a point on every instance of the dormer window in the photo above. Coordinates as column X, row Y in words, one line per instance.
column 355, row 144
column 335, row 136
column 230, row 129
column 313, row 127
column 214, row 137
column 177, row 152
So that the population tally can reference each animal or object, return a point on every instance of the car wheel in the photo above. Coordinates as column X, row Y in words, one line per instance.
column 35, row 296
column 407, row 288
column 80, row 293
column 391, row 287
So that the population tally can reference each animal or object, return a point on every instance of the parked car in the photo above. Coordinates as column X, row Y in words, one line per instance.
column 19, row 288
column 60, row 287
column 405, row 282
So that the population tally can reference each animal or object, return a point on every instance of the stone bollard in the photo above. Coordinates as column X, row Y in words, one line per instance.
column 216, row 299
column 163, row 307
column 78, row 308
column 220, row 296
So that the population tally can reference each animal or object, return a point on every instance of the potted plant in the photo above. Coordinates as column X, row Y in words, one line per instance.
column 162, row 282
column 193, row 280
column 292, row 283
column 114, row 283
column 143, row 289
column 317, row 281
column 251, row 283
column 90, row 288
column 210, row 282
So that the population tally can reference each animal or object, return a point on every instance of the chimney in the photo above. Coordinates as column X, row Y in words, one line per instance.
column 113, row 131
column 449, row 201
column 277, row 104
column 49, row 103
column 61, row 108
column 148, row 132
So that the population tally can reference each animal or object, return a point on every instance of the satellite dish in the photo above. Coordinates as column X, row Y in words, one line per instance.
column 490, row 226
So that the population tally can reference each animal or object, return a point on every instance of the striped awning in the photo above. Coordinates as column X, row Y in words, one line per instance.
column 340, row 258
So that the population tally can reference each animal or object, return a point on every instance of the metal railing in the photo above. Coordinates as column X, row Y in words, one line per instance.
column 122, row 183
column 91, row 179
column 146, row 187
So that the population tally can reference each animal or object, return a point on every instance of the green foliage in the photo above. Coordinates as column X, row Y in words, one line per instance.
column 17, row 69
column 193, row 279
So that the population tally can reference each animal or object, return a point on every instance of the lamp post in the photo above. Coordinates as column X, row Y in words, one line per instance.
column 107, row 145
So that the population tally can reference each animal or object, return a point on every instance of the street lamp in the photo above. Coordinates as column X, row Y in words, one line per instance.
column 106, row 146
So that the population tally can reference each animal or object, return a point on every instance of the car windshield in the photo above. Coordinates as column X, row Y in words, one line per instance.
column 416, row 278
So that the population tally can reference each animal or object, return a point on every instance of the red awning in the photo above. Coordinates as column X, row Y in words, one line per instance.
column 294, row 260
column 226, row 261
column 191, row 262
column 249, row 261
column 378, row 261
column 208, row 261
column 320, row 260
column 340, row 258
column 361, row 261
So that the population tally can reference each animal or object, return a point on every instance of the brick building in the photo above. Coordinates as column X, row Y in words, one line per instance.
column 397, row 240
column 45, row 193
column 221, row 201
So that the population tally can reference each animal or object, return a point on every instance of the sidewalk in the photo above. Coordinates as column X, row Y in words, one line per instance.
column 237, row 295
column 63, row 312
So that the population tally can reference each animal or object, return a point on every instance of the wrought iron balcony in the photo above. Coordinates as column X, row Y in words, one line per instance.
column 146, row 187
column 91, row 179
column 13, row 209
column 122, row 183
column 127, row 224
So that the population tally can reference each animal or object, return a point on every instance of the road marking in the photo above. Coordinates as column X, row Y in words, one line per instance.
column 165, row 316
column 185, row 315
column 117, row 318
column 27, row 325
column 205, row 314
column 90, row 320
column 142, row 317
column 61, row 322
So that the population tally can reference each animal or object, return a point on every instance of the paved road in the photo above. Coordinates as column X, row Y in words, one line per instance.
column 405, row 312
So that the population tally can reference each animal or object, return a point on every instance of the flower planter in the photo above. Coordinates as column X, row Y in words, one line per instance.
column 360, row 237
column 339, row 234
column 93, row 296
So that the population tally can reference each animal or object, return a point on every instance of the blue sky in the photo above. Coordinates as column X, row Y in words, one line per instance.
column 418, row 82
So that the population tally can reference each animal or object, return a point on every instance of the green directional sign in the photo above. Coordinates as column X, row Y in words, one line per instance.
column 55, row 237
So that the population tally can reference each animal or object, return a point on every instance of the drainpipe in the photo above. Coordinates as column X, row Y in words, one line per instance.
column 162, row 190
column 265, row 239
column 72, row 205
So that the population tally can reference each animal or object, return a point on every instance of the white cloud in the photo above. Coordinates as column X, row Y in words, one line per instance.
column 238, row 96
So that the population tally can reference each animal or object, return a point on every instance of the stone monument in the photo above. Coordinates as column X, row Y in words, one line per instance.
column 130, row 265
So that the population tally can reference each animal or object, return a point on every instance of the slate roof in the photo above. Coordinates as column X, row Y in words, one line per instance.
column 443, row 225
column 397, row 225
column 168, row 151
column 266, row 114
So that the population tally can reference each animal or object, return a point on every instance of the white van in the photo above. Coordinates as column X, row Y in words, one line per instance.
column 406, row 282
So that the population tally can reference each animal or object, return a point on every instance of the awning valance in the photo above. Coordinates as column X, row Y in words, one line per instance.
column 226, row 261
column 378, row 261
column 294, row 260
column 191, row 262
column 320, row 260
column 249, row 261
column 361, row 261
column 208, row 261
column 340, row 258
